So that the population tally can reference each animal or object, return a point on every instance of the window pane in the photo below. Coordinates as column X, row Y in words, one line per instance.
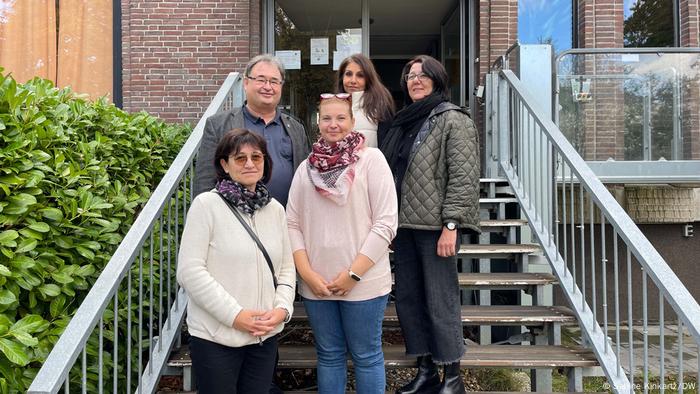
column 632, row 106
column 336, row 35
column 545, row 22
column 649, row 23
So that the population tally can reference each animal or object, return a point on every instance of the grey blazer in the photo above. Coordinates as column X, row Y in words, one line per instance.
column 220, row 123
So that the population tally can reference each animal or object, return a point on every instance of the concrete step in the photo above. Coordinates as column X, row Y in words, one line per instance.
column 493, row 315
column 500, row 356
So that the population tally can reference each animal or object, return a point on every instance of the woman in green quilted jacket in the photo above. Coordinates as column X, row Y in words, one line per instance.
column 432, row 148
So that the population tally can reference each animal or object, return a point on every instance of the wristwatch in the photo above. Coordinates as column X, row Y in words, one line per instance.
column 354, row 276
column 451, row 226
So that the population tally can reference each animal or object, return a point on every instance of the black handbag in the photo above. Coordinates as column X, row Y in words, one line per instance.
column 252, row 235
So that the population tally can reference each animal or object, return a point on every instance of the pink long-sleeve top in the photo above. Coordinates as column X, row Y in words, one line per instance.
column 333, row 234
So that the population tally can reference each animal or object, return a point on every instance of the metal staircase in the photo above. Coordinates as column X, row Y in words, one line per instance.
column 136, row 309
column 542, row 323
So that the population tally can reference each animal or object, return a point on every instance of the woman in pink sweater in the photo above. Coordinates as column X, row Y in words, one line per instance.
column 342, row 216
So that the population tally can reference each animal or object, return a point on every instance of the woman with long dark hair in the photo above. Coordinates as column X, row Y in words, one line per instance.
column 432, row 148
column 372, row 104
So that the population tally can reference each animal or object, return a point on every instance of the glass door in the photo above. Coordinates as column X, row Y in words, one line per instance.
column 451, row 49
column 314, row 36
column 311, row 38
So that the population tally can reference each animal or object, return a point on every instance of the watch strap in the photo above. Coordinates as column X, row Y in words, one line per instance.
column 354, row 276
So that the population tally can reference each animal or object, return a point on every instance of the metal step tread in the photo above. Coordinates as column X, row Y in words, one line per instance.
column 495, row 251
column 506, row 280
column 497, row 200
column 504, row 223
column 493, row 315
column 508, row 356
column 493, row 180
column 498, row 249
column 505, row 356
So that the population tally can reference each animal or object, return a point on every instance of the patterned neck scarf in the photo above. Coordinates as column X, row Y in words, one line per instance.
column 331, row 166
column 242, row 198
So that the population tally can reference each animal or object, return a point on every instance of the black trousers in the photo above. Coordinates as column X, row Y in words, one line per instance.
column 220, row 369
column 427, row 296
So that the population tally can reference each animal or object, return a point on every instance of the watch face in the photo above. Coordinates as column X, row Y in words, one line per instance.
column 451, row 226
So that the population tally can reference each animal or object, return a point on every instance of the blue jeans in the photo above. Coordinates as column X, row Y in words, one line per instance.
column 340, row 327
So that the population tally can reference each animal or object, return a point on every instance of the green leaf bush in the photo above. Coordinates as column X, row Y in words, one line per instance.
column 73, row 176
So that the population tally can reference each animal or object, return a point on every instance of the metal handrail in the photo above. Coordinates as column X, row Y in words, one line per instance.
column 72, row 342
column 502, row 61
column 603, row 51
column 539, row 161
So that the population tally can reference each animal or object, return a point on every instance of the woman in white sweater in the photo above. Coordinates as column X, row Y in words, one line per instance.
column 372, row 104
column 342, row 214
column 237, row 304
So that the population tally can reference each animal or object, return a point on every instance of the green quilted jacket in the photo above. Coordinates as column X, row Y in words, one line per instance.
column 442, row 179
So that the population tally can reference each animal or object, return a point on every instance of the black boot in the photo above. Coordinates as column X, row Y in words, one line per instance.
column 427, row 381
column 452, row 382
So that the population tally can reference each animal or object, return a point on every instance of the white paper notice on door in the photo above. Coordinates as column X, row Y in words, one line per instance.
column 291, row 60
column 349, row 41
column 319, row 51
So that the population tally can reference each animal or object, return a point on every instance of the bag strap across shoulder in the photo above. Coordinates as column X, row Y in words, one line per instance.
column 252, row 235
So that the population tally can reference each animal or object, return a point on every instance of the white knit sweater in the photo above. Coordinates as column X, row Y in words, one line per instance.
column 223, row 271
column 363, row 124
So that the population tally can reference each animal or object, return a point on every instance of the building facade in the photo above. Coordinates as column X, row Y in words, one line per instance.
column 170, row 57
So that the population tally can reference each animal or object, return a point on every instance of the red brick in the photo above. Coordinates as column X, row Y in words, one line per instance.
column 176, row 53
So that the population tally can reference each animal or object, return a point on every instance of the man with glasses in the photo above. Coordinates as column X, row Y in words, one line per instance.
column 287, row 142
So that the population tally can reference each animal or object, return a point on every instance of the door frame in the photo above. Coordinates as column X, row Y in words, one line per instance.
column 467, row 46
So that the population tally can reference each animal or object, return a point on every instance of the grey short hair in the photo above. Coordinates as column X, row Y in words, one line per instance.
column 266, row 58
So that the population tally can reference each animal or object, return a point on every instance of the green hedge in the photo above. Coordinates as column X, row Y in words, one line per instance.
column 73, row 175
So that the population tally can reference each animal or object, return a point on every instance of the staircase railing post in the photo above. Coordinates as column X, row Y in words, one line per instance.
column 501, row 134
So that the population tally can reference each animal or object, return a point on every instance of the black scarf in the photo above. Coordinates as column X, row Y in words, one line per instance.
column 242, row 198
column 405, row 127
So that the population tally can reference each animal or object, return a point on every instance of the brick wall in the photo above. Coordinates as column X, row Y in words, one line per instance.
column 177, row 53
column 690, row 37
column 690, row 23
column 498, row 30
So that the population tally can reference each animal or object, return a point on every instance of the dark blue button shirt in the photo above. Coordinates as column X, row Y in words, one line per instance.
column 279, row 147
